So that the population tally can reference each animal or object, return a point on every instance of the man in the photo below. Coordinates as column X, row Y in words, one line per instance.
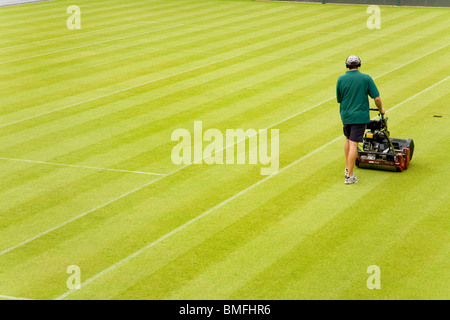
column 352, row 91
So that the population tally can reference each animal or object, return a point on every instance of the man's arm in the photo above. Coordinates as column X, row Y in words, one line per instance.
column 379, row 105
column 338, row 92
column 375, row 95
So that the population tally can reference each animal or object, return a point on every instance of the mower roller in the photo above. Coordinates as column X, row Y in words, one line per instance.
column 381, row 152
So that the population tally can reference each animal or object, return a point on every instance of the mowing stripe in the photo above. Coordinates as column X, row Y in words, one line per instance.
column 117, row 264
column 117, row 11
column 181, row 168
column 84, row 167
column 243, row 54
column 116, row 92
column 320, row 32
column 74, row 35
column 90, row 44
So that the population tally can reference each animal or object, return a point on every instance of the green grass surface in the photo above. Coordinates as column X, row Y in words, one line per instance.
column 108, row 96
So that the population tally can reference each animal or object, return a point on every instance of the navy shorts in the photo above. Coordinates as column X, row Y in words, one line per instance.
column 354, row 132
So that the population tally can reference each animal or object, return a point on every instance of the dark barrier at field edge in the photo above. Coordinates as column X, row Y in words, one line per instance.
column 413, row 3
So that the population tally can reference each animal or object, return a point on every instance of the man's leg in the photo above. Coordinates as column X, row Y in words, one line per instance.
column 353, row 134
column 351, row 155
column 346, row 149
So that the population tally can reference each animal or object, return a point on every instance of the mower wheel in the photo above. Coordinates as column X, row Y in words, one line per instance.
column 401, row 163
column 407, row 157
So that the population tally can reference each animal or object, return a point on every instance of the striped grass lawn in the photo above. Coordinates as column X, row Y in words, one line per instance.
column 87, row 180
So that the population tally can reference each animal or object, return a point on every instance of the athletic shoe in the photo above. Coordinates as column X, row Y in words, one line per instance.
column 350, row 180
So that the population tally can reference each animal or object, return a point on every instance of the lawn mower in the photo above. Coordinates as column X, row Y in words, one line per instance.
column 380, row 151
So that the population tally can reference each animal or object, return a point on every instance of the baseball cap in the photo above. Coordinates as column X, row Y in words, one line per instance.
column 353, row 61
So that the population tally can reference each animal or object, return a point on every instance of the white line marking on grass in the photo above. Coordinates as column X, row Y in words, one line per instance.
column 414, row 60
column 167, row 235
column 412, row 97
column 381, row 75
column 90, row 44
column 110, row 201
column 80, row 166
column 116, row 92
column 13, row 298
column 79, row 216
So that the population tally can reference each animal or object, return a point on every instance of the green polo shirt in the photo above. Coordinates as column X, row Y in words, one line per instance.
column 352, row 91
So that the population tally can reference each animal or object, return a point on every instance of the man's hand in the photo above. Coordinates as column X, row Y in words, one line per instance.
column 382, row 111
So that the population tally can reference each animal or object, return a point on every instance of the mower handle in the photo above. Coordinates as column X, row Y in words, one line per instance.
column 376, row 109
